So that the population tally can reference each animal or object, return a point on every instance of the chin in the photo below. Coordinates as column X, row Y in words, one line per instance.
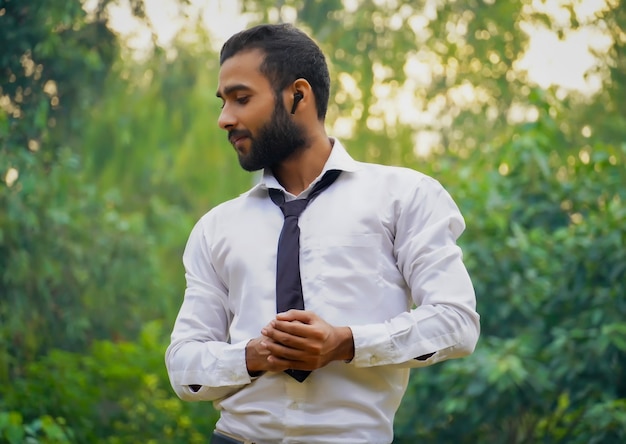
column 248, row 166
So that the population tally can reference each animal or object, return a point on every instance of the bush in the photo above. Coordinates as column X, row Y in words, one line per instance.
column 117, row 392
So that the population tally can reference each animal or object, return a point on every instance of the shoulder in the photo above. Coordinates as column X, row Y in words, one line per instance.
column 409, row 191
column 228, row 211
column 402, row 180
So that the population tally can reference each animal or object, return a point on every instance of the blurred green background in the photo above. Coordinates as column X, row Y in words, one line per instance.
column 110, row 151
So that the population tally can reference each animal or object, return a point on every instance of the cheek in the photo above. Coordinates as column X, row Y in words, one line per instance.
column 259, row 125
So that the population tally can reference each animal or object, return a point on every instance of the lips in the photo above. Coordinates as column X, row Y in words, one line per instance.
column 236, row 140
column 235, row 137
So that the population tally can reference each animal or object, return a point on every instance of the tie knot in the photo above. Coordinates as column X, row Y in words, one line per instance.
column 294, row 208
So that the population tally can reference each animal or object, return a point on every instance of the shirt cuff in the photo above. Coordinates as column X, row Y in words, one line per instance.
column 232, row 364
column 372, row 346
column 229, row 370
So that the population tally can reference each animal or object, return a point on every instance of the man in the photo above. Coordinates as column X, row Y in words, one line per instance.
column 380, row 278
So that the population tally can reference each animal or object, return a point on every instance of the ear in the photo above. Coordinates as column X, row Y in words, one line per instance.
column 296, row 99
column 299, row 96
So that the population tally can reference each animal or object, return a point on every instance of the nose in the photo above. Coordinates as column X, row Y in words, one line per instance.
column 227, row 119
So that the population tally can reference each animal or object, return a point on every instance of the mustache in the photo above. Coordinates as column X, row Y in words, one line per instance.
column 237, row 134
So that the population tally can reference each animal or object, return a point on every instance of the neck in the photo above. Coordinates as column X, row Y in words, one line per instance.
column 297, row 172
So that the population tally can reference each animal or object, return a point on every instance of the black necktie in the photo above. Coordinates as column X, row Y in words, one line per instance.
column 288, row 283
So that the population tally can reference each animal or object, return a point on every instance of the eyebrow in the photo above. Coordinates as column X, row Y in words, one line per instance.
column 233, row 88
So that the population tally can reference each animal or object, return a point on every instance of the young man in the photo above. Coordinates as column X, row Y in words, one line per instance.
column 369, row 260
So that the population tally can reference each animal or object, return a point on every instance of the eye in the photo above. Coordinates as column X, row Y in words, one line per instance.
column 243, row 100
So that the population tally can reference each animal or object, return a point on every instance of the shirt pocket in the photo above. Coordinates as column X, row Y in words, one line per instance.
column 349, row 269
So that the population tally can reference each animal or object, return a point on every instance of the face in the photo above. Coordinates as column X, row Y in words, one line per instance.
column 259, row 127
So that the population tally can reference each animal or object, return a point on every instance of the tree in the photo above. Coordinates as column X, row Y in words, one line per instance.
column 73, row 267
column 124, row 162
column 82, row 286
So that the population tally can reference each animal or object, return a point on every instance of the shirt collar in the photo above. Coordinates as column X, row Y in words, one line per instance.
column 339, row 159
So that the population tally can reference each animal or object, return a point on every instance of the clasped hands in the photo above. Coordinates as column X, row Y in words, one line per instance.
column 300, row 340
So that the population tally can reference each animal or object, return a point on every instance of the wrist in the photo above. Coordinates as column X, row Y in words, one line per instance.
column 253, row 363
column 345, row 350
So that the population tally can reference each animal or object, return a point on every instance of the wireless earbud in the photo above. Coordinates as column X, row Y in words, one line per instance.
column 296, row 99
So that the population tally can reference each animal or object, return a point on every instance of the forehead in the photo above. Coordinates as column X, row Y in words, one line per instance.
column 242, row 69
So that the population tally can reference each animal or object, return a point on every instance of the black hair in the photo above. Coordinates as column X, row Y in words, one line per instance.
column 290, row 54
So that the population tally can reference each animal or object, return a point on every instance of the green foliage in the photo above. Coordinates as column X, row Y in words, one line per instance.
column 165, row 137
column 76, row 266
column 44, row 430
column 52, row 65
column 115, row 392
column 116, row 158
column 70, row 262
column 67, row 255
column 552, row 297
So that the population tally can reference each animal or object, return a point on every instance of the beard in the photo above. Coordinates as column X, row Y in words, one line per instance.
column 276, row 141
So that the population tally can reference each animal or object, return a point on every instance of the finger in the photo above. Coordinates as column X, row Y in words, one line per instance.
column 294, row 328
column 279, row 364
column 287, row 353
column 288, row 340
column 295, row 364
column 303, row 316
column 261, row 349
column 277, row 328
column 276, row 364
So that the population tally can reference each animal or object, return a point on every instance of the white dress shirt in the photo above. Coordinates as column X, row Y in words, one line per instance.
column 378, row 254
